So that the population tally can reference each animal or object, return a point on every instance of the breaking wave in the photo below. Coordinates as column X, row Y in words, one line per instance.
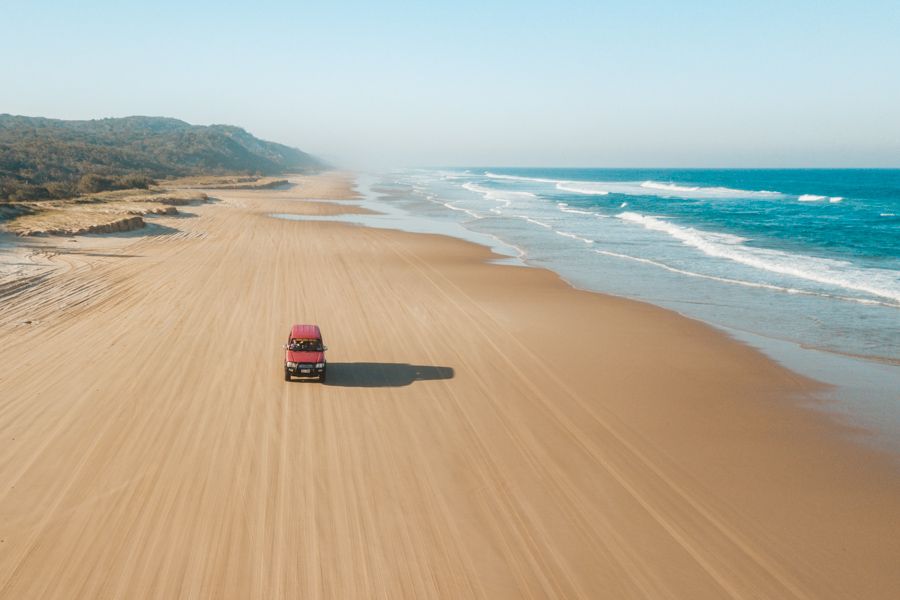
column 591, row 189
column 876, row 282
column 639, row 188
column 817, row 198
column 504, row 196
column 671, row 187
column 573, row 236
column 564, row 207
column 519, row 178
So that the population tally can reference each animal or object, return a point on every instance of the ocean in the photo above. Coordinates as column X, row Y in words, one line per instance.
column 804, row 264
column 809, row 256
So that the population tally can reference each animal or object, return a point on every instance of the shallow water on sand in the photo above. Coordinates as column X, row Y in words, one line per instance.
column 827, row 311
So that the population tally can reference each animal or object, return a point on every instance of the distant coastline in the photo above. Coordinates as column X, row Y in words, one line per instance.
column 42, row 159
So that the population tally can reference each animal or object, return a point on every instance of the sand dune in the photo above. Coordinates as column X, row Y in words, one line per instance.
column 487, row 432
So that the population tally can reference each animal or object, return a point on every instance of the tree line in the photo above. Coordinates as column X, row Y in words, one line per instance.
column 50, row 158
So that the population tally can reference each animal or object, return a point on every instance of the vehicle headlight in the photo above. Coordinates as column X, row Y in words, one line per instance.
column 291, row 365
column 320, row 365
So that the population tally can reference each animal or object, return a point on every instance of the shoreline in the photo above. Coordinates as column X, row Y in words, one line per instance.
column 860, row 388
column 686, row 254
column 696, row 469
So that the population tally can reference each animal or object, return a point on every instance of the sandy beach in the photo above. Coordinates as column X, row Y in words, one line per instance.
column 486, row 431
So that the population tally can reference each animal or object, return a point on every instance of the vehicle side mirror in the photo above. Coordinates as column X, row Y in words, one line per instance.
column 324, row 348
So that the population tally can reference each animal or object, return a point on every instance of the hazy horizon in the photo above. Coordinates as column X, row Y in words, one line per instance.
column 498, row 83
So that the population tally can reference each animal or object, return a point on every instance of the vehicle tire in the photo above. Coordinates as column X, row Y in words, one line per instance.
column 287, row 375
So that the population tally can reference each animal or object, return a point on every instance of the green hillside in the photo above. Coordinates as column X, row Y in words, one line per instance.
column 51, row 158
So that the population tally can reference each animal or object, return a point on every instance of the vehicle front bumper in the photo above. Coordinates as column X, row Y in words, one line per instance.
column 304, row 370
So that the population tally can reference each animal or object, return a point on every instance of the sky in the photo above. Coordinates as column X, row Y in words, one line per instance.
column 466, row 83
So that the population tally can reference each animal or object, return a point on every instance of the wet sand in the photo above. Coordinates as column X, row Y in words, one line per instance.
column 486, row 431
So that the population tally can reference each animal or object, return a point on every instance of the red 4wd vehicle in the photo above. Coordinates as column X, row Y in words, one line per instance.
column 304, row 353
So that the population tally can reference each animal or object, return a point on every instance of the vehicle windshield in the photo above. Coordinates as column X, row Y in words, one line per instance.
column 305, row 346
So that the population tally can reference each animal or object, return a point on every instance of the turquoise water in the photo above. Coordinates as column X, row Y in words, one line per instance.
column 807, row 256
column 803, row 265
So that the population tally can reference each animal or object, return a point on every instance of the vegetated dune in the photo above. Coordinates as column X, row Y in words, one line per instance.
column 51, row 158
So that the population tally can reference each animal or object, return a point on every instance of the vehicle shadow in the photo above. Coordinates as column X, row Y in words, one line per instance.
column 374, row 375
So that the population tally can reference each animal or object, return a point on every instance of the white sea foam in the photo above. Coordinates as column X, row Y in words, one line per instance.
column 690, row 236
column 591, row 189
column 663, row 190
column 504, row 197
column 818, row 198
column 741, row 282
column 623, row 205
column 641, row 188
column 519, row 178
column 534, row 221
column 694, row 191
column 875, row 282
column 669, row 187
column 434, row 200
column 567, row 209
column 661, row 265
column 573, row 236
column 471, row 213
